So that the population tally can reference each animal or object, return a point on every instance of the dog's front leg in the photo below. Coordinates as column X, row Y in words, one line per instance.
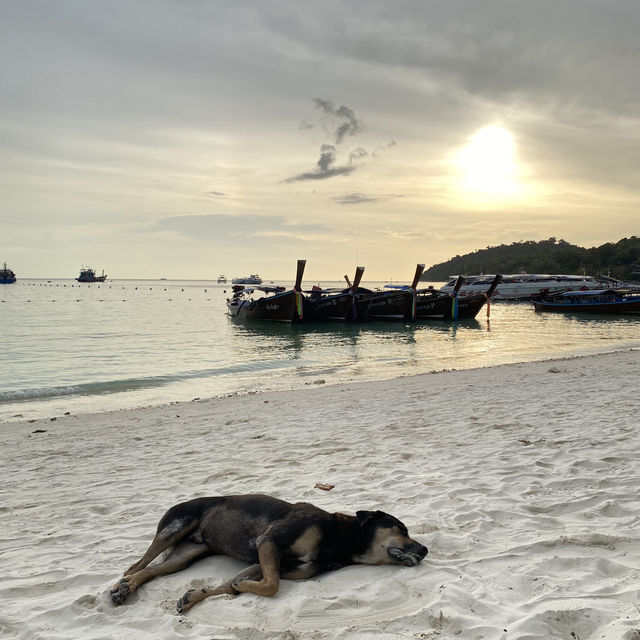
column 193, row 596
column 269, row 558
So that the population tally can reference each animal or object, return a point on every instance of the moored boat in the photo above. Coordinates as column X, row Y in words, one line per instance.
column 87, row 274
column 396, row 303
column 609, row 301
column 254, row 278
column 344, row 305
column 435, row 305
column 522, row 286
column 269, row 302
column 7, row 276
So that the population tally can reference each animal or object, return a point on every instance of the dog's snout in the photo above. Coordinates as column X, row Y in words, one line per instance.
column 418, row 549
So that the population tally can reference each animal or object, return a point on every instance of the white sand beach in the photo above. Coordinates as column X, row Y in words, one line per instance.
column 523, row 480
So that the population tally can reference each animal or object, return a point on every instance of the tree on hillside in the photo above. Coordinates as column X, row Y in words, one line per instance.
column 620, row 260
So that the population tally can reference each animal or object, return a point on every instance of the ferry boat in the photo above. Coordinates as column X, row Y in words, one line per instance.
column 611, row 301
column 522, row 286
column 7, row 276
column 254, row 278
column 87, row 274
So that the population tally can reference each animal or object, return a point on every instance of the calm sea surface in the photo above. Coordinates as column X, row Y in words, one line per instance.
column 127, row 343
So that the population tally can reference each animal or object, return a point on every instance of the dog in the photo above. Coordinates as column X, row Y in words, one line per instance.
column 279, row 540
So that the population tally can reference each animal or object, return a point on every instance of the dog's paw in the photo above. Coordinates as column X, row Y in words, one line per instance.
column 239, row 584
column 186, row 602
column 120, row 591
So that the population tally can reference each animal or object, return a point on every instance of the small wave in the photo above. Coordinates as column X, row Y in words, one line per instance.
column 134, row 384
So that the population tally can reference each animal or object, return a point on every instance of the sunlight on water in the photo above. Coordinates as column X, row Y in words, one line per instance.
column 119, row 344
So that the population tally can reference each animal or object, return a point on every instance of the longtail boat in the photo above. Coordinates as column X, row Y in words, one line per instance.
column 431, row 304
column 397, row 303
column 345, row 305
column 275, row 303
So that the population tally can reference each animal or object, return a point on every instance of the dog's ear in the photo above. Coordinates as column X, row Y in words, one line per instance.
column 365, row 516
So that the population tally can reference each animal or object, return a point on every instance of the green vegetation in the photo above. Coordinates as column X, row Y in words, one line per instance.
column 620, row 260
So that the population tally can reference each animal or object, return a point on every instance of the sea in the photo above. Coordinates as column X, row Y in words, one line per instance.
column 76, row 348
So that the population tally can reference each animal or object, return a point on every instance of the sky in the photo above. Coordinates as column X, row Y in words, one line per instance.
column 188, row 139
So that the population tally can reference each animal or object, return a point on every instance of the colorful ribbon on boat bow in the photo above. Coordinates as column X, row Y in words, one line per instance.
column 488, row 304
column 299, row 305
column 454, row 305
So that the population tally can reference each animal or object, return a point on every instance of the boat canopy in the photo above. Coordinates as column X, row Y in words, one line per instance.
column 589, row 292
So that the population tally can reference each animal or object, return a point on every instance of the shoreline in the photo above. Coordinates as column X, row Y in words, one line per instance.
column 311, row 384
column 520, row 478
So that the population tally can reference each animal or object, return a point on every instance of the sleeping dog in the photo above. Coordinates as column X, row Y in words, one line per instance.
column 279, row 540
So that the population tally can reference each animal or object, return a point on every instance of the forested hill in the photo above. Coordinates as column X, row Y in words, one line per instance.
column 620, row 260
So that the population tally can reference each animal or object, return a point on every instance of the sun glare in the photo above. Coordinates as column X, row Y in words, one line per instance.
column 487, row 162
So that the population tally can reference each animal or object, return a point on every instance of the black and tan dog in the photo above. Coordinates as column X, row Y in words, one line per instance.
column 279, row 539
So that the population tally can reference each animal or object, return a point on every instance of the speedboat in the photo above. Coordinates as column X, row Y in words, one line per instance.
column 522, row 286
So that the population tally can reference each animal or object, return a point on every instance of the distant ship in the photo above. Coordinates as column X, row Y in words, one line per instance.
column 222, row 279
column 6, row 275
column 87, row 274
column 254, row 278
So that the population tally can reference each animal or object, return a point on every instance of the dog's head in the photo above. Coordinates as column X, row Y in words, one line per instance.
column 387, row 541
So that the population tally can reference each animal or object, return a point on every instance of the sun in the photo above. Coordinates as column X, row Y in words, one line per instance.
column 487, row 163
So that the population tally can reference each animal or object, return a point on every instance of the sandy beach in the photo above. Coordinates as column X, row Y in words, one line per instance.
column 521, row 479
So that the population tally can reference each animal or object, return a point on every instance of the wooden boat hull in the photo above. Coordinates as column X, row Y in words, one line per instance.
column 340, row 307
column 390, row 305
column 281, row 307
column 439, row 307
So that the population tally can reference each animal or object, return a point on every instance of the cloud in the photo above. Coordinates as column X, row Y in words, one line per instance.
column 384, row 147
column 360, row 198
column 235, row 226
column 343, row 118
column 355, row 198
column 325, row 166
column 338, row 123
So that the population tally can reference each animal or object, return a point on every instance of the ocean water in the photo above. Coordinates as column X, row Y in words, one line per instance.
column 69, row 347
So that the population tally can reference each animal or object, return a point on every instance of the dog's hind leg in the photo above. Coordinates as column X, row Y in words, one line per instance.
column 166, row 537
column 193, row 596
column 181, row 556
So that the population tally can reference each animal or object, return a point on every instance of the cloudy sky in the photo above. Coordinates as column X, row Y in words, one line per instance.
column 183, row 139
